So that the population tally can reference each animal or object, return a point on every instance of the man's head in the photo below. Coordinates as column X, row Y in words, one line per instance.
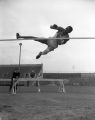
column 69, row 29
column 54, row 26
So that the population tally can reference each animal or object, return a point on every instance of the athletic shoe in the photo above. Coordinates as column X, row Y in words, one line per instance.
column 17, row 35
column 39, row 55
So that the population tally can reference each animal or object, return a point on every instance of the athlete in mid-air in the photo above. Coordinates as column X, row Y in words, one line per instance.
column 51, row 42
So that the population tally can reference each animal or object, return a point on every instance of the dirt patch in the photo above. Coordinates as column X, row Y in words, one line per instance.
column 47, row 106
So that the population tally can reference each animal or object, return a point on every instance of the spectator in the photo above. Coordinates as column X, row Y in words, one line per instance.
column 14, row 80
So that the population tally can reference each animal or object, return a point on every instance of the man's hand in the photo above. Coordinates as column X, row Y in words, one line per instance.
column 54, row 26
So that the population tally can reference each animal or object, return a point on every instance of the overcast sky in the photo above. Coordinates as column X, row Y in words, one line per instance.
column 34, row 17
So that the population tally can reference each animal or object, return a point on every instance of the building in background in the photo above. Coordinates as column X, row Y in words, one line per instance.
column 82, row 79
column 6, row 72
column 26, row 69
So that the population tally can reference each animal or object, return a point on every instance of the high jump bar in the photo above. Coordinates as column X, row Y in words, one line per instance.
column 39, row 38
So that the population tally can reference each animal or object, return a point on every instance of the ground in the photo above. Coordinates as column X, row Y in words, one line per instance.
column 78, row 103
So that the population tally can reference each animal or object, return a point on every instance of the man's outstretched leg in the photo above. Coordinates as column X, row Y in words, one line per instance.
column 18, row 36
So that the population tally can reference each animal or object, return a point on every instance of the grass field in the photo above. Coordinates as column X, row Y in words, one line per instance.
column 78, row 103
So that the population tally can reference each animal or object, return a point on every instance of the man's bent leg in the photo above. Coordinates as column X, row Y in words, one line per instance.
column 44, row 52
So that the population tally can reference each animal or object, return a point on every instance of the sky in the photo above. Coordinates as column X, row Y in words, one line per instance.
column 33, row 18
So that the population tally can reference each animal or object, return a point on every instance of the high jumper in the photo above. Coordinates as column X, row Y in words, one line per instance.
column 51, row 42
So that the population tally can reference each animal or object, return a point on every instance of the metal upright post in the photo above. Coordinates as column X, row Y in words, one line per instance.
column 20, row 44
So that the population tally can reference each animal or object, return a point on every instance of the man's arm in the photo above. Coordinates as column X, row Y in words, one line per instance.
column 60, row 29
column 57, row 27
